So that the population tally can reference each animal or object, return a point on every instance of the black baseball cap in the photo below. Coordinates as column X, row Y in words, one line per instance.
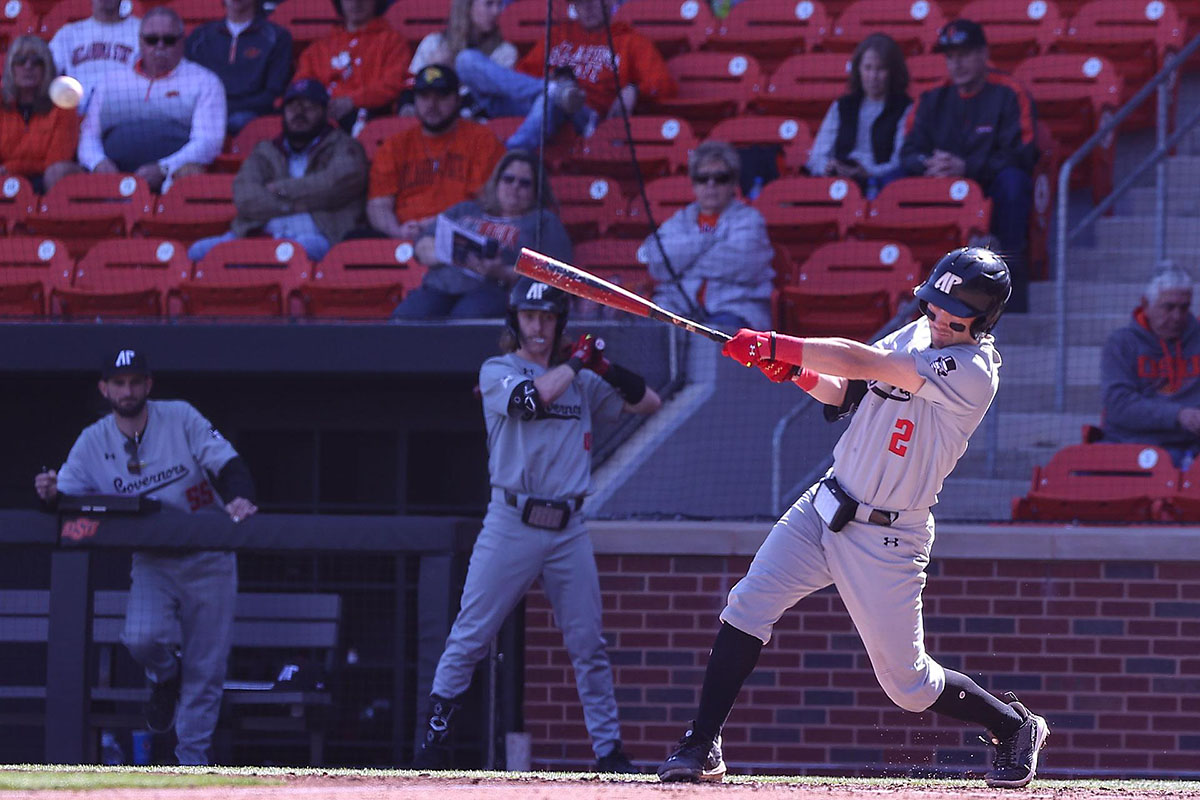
column 124, row 361
column 961, row 33
column 436, row 78
column 309, row 89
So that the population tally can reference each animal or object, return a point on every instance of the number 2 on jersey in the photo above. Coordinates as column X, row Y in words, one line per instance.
column 903, row 432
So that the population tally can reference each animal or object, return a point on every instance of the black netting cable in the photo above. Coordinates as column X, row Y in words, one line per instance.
column 545, row 100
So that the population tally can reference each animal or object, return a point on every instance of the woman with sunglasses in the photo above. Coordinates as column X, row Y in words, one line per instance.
column 712, row 258
column 37, row 139
column 472, row 282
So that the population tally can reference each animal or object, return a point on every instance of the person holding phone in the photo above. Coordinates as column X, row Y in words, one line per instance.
column 861, row 135
column 471, row 276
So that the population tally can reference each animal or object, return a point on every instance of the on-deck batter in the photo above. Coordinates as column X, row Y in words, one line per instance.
column 539, row 416
column 866, row 527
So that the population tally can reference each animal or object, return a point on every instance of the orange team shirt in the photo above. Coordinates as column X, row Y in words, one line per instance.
column 28, row 148
column 428, row 174
column 370, row 66
column 586, row 53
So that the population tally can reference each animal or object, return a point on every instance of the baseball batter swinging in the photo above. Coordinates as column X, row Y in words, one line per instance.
column 539, row 424
column 866, row 527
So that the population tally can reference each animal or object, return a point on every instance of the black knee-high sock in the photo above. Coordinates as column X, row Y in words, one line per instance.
column 733, row 657
column 965, row 700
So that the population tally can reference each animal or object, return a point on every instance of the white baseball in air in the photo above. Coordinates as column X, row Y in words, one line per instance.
column 65, row 91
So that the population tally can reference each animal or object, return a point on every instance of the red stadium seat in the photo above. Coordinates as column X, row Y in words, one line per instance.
column 196, row 12
column 791, row 135
column 620, row 261
column 17, row 18
column 1074, row 94
column 805, row 86
column 675, row 26
column 31, row 268
column 1016, row 31
column 847, row 289
column 1186, row 504
column 306, row 20
column 257, row 130
column 669, row 195
column 194, row 207
column 772, row 30
column 125, row 278
column 558, row 148
column 361, row 278
column 586, row 203
column 803, row 213
column 245, row 277
column 914, row 25
column 662, row 144
column 712, row 86
column 1045, row 185
column 17, row 201
column 930, row 215
column 1101, row 483
column 523, row 22
column 416, row 19
column 85, row 208
column 379, row 130
column 925, row 72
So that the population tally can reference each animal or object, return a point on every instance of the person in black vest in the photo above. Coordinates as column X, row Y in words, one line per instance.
column 863, row 130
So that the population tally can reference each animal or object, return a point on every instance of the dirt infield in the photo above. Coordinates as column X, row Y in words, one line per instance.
column 354, row 787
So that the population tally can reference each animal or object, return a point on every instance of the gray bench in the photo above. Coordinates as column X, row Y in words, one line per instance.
column 263, row 620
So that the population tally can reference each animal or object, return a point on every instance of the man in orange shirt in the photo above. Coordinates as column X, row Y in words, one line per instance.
column 424, row 170
column 582, row 88
column 364, row 66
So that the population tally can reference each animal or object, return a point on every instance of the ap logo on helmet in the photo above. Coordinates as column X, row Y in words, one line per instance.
column 536, row 291
column 946, row 282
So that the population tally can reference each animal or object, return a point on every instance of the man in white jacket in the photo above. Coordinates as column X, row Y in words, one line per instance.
column 161, row 119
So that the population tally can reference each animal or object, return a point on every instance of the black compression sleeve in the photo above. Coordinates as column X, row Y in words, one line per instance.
column 854, row 395
column 628, row 384
column 234, row 480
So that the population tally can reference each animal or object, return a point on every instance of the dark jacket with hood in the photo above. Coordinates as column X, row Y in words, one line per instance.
column 1147, row 380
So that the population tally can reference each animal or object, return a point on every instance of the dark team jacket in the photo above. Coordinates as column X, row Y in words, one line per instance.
column 990, row 130
column 257, row 73
column 1147, row 380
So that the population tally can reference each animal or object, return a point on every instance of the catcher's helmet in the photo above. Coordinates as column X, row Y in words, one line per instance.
column 530, row 295
column 968, row 282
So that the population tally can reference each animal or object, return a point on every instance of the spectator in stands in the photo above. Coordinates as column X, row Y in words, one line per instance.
column 364, row 65
column 472, row 24
column 715, row 257
column 308, row 185
column 462, row 283
column 861, row 135
column 86, row 50
column 582, row 88
column 1150, row 371
column 980, row 125
column 37, row 139
column 179, row 621
column 161, row 119
column 424, row 170
column 250, row 54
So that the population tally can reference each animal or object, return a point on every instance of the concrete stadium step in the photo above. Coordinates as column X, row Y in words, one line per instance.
column 1082, row 329
column 1082, row 398
column 1138, row 231
column 1036, row 364
column 1182, row 201
column 1022, row 430
column 1008, row 465
column 980, row 499
column 1122, row 264
column 1090, row 297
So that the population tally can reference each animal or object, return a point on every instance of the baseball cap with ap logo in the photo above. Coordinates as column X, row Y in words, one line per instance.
column 124, row 361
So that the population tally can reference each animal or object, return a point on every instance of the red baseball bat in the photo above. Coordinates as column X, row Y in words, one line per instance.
column 582, row 283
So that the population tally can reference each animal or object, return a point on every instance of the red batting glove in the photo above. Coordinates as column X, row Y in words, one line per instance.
column 748, row 347
column 778, row 371
column 590, row 352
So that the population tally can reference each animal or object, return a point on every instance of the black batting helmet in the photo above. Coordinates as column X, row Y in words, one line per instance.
column 530, row 295
column 968, row 282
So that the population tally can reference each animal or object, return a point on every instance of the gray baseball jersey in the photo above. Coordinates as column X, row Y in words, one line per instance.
column 549, row 457
column 893, row 430
column 178, row 448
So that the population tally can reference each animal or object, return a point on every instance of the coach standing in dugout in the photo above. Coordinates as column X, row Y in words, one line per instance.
column 538, row 405
column 179, row 622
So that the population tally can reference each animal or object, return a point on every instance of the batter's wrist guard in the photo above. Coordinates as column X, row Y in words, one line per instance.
column 628, row 384
column 789, row 349
column 575, row 363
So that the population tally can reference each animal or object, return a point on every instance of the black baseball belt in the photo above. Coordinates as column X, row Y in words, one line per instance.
column 514, row 500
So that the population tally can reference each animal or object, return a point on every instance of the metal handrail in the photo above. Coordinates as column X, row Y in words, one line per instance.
column 1158, row 83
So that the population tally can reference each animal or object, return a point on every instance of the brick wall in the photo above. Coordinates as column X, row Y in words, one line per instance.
column 1108, row 652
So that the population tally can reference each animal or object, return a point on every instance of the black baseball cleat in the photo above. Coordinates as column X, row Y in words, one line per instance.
column 159, row 710
column 433, row 752
column 695, row 759
column 615, row 761
column 1014, row 763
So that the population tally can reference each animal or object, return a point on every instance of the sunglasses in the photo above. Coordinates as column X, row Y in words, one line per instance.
column 524, row 183
column 717, row 178
column 135, row 465
column 958, row 327
column 169, row 40
column 28, row 61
